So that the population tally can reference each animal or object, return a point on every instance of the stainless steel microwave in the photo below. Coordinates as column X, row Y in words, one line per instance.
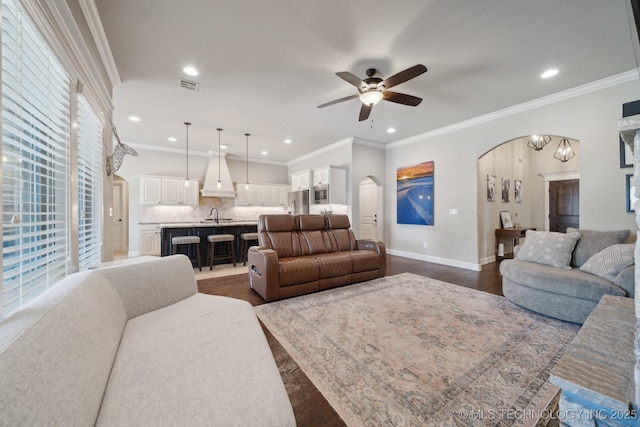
column 321, row 194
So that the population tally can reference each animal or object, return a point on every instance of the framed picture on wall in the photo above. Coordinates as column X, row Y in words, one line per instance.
column 626, row 158
column 631, row 191
column 505, row 219
column 414, row 192
column 517, row 190
column 491, row 188
column 506, row 189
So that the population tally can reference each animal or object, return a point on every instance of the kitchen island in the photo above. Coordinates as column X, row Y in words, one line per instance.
column 203, row 229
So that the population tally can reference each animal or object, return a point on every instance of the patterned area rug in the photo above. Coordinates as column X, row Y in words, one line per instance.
column 407, row 350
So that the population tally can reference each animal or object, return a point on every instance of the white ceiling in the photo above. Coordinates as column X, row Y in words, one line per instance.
column 266, row 65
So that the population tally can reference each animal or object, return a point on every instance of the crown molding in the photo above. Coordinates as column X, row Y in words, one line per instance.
column 584, row 89
column 92, row 16
column 182, row 151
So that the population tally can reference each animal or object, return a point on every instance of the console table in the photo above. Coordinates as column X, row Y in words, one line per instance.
column 512, row 236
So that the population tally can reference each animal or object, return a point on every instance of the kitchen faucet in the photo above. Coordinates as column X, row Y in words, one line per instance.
column 211, row 213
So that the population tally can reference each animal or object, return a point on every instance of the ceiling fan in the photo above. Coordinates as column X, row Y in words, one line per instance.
column 373, row 89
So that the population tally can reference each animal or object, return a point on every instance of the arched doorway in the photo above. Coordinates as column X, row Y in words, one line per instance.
column 515, row 164
column 370, row 209
column 120, row 218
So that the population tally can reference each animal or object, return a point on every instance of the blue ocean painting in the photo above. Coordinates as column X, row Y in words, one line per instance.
column 415, row 194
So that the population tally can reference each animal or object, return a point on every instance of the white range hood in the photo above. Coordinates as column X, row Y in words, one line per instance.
column 210, row 188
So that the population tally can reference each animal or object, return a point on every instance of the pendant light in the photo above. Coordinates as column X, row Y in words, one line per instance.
column 564, row 151
column 246, row 186
column 219, row 180
column 187, row 124
column 537, row 142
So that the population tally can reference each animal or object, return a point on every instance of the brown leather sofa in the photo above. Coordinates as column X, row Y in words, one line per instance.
column 300, row 254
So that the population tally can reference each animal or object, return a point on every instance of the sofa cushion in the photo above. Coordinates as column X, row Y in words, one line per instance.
column 549, row 248
column 334, row 264
column 297, row 270
column 572, row 283
column 277, row 232
column 626, row 280
column 201, row 361
column 364, row 260
column 591, row 242
column 609, row 262
column 57, row 352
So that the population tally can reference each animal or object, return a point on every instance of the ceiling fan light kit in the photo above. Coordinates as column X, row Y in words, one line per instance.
column 374, row 89
column 371, row 97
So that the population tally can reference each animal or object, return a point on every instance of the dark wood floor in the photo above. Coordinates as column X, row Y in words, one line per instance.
column 309, row 406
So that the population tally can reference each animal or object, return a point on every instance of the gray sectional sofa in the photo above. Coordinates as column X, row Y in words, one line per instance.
column 137, row 345
column 566, row 293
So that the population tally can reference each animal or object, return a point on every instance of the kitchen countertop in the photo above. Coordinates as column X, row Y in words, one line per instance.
column 199, row 224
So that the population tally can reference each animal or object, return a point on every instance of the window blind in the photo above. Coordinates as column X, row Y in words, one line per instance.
column 35, row 161
column 89, row 185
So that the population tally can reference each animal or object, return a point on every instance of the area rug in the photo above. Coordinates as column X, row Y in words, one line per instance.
column 407, row 350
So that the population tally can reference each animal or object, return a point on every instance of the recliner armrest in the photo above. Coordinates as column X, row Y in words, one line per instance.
column 264, row 272
column 377, row 246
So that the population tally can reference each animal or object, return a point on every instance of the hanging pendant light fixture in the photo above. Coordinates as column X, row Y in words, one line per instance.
column 187, row 124
column 564, row 151
column 219, row 180
column 247, row 165
column 537, row 142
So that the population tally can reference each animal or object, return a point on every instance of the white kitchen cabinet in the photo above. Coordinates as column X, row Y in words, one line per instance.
column 242, row 195
column 321, row 176
column 251, row 196
column 170, row 191
column 280, row 195
column 336, row 178
column 150, row 190
column 191, row 192
column 149, row 240
column 265, row 195
column 301, row 181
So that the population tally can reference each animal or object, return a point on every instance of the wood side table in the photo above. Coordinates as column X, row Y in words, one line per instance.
column 512, row 236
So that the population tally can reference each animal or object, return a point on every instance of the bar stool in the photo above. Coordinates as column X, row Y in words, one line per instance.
column 187, row 240
column 221, row 238
column 246, row 238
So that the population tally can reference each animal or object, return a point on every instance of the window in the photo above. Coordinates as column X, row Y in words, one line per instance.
column 89, row 185
column 35, row 160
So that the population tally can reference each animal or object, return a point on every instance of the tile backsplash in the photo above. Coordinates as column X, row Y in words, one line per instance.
column 225, row 206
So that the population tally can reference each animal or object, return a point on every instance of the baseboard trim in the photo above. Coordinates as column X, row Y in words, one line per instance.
column 488, row 260
column 436, row 260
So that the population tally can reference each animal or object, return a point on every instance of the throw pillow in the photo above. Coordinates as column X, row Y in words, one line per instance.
column 610, row 261
column 591, row 242
column 548, row 247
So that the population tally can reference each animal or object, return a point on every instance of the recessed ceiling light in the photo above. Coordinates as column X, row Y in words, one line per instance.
column 134, row 118
column 287, row 141
column 190, row 71
column 172, row 139
column 224, row 146
column 391, row 130
column 264, row 152
column 549, row 73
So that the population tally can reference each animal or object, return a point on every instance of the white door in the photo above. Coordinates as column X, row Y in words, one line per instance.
column 118, row 218
column 368, row 209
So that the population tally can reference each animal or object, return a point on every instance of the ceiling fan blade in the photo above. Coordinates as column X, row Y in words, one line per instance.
column 350, row 78
column 365, row 110
column 403, row 76
column 401, row 98
column 346, row 98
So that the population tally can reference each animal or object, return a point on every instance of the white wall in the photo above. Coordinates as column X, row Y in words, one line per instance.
column 591, row 118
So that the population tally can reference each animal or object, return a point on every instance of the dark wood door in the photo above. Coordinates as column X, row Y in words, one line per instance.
column 564, row 205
